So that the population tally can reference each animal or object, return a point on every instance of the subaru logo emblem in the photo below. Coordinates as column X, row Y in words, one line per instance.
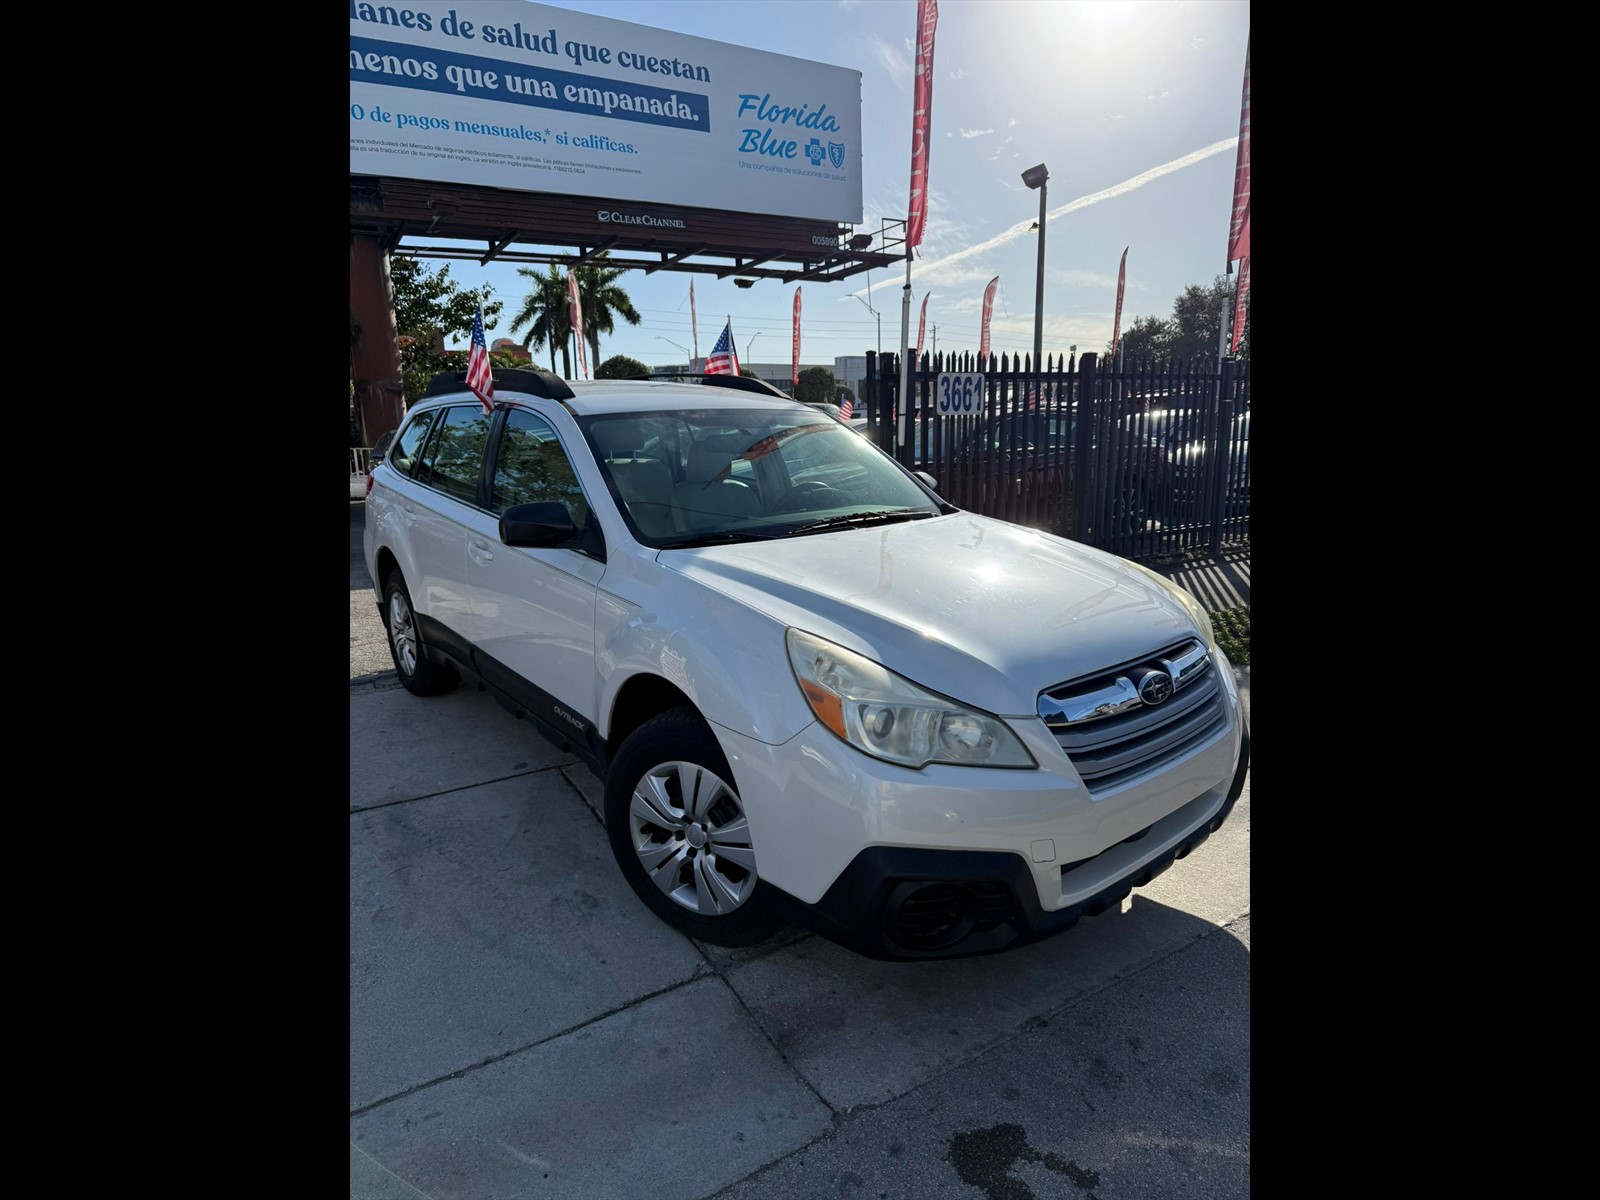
column 1155, row 687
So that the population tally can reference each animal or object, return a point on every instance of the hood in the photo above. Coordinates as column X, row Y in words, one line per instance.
column 982, row 611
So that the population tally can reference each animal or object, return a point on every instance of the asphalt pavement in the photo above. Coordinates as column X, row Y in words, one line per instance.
column 521, row 1026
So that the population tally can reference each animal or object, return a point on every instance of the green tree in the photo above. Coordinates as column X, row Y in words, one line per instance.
column 620, row 366
column 429, row 308
column 1194, row 330
column 546, row 315
column 1148, row 338
column 817, row 386
column 1197, row 316
column 603, row 302
column 748, row 373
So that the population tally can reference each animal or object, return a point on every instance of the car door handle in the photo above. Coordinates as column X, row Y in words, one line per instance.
column 480, row 552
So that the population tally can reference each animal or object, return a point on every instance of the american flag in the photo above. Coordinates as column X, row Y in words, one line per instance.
column 478, row 378
column 844, row 408
column 724, row 359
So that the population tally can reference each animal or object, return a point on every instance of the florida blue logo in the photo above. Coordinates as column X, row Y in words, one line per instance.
column 814, row 152
column 836, row 154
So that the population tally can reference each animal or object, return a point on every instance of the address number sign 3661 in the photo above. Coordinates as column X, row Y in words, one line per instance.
column 959, row 395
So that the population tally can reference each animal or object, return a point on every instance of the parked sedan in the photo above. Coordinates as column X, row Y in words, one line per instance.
column 1034, row 451
column 1192, row 477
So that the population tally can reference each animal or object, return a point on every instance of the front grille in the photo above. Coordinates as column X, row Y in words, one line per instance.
column 1132, row 738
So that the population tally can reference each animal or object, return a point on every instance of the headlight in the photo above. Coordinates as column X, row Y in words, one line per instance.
column 891, row 718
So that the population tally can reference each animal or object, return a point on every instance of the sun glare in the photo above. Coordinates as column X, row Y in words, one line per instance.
column 1105, row 14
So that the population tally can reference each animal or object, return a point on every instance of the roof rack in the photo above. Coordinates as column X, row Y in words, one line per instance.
column 544, row 384
column 740, row 383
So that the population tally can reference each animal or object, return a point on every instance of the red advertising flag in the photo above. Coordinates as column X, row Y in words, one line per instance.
column 1239, row 293
column 1116, row 324
column 921, row 117
column 922, row 325
column 1239, row 227
column 983, row 335
column 575, row 315
column 794, row 369
column 694, row 331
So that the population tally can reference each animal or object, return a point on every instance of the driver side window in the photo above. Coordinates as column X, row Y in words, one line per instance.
column 531, row 466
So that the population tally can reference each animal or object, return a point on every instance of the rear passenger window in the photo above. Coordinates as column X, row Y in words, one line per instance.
column 454, row 457
column 532, row 467
column 404, row 454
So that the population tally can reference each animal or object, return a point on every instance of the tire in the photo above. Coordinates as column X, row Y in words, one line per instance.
column 1130, row 508
column 711, row 892
column 420, row 675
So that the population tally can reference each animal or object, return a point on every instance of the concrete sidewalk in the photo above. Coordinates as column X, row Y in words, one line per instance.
column 520, row 1025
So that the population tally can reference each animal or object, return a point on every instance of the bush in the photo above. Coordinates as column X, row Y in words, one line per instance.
column 620, row 366
column 1232, row 627
column 817, row 386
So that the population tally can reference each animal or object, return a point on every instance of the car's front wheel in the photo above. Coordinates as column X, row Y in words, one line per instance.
column 678, row 831
column 421, row 676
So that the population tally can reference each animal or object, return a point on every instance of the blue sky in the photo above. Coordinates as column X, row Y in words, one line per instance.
column 1133, row 105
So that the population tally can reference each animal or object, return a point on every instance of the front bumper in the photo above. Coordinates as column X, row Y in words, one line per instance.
column 981, row 858
column 900, row 903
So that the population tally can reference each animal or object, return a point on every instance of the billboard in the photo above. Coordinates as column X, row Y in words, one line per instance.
column 541, row 99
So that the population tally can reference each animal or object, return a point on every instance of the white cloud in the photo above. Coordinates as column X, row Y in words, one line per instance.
column 961, row 74
column 972, row 133
column 1013, row 121
column 1115, row 117
column 847, row 5
column 1196, row 42
column 899, row 65
column 1081, row 278
column 1166, row 95
column 1020, row 229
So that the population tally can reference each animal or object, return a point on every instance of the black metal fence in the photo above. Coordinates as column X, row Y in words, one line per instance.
column 1164, row 468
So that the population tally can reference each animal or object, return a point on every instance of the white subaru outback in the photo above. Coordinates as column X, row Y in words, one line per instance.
column 816, row 692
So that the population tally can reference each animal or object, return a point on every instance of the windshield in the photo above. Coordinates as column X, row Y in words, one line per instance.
column 720, row 475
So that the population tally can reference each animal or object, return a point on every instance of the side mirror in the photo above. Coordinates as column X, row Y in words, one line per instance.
column 929, row 480
column 547, row 523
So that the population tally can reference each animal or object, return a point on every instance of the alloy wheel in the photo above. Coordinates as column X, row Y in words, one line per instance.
column 691, row 836
column 403, row 633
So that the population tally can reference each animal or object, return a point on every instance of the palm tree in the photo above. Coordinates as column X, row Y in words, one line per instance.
column 603, row 301
column 545, row 313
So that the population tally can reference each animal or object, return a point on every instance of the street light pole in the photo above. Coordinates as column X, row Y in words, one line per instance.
column 689, row 353
column 879, row 315
column 750, row 343
column 1036, row 177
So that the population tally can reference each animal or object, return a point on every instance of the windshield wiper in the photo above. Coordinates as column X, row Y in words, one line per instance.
column 857, row 520
column 715, row 539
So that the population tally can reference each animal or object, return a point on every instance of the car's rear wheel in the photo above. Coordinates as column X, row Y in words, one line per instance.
column 678, row 831
column 421, row 676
